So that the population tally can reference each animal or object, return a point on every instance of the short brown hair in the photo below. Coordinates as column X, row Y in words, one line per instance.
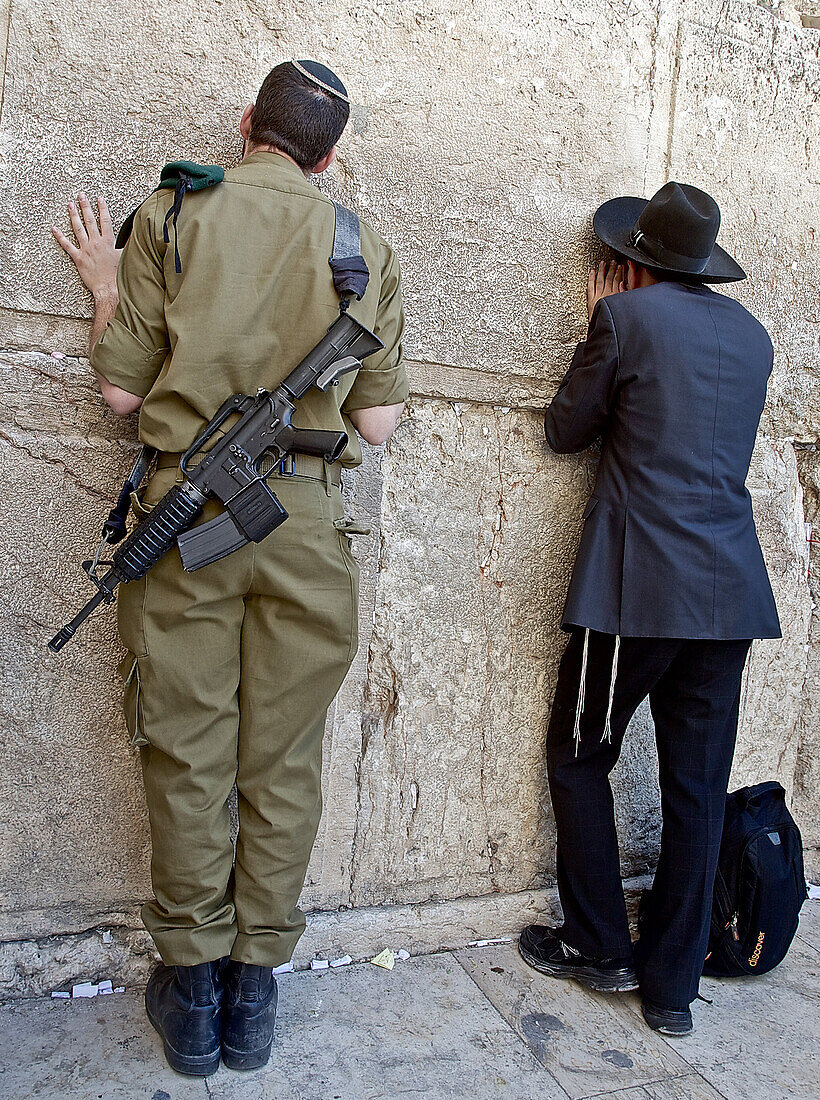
column 297, row 116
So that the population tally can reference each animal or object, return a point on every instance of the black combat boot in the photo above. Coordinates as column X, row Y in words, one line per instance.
column 184, row 1003
column 248, row 1015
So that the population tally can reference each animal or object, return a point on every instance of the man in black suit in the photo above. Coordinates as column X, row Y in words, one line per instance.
column 668, row 589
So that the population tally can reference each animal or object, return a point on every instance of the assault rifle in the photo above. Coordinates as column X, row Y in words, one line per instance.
column 231, row 471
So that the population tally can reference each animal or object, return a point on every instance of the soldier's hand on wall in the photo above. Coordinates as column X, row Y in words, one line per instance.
column 95, row 255
column 606, row 278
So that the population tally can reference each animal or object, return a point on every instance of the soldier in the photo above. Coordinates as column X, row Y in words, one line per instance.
column 668, row 589
column 230, row 670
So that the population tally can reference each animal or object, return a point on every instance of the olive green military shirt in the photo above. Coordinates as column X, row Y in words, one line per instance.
column 254, row 296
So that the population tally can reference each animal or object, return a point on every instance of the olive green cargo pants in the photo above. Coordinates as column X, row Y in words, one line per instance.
column 229, row 675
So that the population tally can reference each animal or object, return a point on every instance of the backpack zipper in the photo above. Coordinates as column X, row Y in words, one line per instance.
column 754, row 835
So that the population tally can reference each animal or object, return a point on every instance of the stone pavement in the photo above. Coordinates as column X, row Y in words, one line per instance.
column 476, row 1023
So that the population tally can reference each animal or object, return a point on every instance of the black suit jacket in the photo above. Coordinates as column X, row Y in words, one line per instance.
column 673, row 378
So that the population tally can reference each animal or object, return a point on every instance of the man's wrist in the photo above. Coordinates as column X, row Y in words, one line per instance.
column 106, row 296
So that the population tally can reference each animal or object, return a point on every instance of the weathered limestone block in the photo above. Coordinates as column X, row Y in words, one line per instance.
column 771, row 697
column 32, row 968
column 478, row 176
column 747, row 127
column 477, row 541
column 806, row 798
column 327, row 885
column 73, row 830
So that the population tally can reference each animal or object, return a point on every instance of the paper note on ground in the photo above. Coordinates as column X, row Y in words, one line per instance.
column 385, row 959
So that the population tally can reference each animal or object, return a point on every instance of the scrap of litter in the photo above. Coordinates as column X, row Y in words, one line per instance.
column 490, row 943
column 81, row 990
column 387, row 959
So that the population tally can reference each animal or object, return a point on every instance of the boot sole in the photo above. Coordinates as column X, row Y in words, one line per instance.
column 621, row 981
column 195, row 1065
column 245, row 1059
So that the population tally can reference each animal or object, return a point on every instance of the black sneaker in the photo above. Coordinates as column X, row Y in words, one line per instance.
column 668, row 1021
column 249, row 1014
column 543, row 950
column 184, row 1005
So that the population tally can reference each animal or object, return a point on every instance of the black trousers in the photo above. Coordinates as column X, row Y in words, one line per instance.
column 694, row 695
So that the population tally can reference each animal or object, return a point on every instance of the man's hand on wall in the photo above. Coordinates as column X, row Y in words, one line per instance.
column 606, row 278
column 95, row 255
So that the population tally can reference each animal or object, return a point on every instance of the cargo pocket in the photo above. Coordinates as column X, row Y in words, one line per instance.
column 129, row 669
column 590, row 508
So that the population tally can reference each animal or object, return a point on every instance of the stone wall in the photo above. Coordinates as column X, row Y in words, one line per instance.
column 485, row 137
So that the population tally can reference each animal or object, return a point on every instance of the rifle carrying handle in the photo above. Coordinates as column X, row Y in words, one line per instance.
column 235, row 404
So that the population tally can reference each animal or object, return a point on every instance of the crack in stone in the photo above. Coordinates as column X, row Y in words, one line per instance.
column 70, row 474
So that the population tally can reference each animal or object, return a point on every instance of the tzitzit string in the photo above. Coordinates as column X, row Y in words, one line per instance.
column 582, row 691
column 579, row 710
column 607, row 734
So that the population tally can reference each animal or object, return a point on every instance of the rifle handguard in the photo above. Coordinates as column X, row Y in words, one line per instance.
column 158, row 532
column 141, row 551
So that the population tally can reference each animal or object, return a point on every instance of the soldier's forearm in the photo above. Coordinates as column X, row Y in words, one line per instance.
column 119, row 400
column 105, row 306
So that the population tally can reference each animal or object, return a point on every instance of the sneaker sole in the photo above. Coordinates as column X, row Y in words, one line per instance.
column 195, row 1065
column 621, row 981
column 665, row 1028
column 245, row 1059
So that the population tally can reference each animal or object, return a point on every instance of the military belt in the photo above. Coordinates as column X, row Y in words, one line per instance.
column 295, row 465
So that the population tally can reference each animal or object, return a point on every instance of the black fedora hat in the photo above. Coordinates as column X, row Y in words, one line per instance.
column 674, row 232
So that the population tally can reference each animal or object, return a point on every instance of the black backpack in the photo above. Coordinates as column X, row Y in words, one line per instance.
column 759, row 886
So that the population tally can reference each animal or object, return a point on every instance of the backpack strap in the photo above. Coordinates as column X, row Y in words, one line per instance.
column 748, row 796
column 350, row 271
